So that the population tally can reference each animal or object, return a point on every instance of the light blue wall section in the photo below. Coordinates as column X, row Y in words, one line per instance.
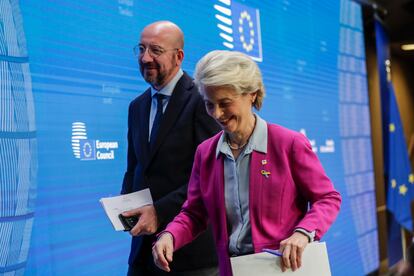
column 79, row 75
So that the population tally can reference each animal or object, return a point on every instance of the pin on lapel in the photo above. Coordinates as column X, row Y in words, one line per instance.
column 264, row 162
column 265, row 173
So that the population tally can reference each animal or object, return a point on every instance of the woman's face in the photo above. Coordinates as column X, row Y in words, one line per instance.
column 231, row 110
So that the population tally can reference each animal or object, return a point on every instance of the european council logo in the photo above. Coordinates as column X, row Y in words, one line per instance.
column 78, row 134
column 240, row 28
column 90, row 149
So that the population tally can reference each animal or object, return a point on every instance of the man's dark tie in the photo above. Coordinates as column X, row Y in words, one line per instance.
column 157, row 119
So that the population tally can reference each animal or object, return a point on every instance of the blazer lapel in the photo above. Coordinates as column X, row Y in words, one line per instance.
column 258, row 163
column 144, row 125
column 213, row 191
column 177, row 102
column 219, row 195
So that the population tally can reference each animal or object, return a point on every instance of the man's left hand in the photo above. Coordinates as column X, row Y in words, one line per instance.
column 147, row 220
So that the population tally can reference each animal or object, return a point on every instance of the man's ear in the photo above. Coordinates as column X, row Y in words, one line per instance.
column 180, row 56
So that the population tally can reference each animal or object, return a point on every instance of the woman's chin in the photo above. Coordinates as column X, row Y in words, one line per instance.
column 229, row 130
column 229, row 127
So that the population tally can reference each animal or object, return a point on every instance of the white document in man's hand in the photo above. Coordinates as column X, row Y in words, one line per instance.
column 315, row 262
column 113, row 206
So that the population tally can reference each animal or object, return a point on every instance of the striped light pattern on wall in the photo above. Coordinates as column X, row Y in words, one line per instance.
column 18, row 160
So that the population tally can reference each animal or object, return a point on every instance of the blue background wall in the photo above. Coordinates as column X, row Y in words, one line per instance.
column 82, row 71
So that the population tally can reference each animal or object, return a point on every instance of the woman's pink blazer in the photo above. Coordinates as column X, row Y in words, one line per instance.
column 296, row 194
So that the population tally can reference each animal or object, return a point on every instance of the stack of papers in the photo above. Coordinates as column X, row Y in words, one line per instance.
column 114, row 206
column 315, row 262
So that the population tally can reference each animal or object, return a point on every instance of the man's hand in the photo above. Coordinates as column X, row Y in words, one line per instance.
column 162, row 251
column 147, row 220
column 292, row 249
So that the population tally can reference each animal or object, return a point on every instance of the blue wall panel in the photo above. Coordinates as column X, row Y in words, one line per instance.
column 74, row 74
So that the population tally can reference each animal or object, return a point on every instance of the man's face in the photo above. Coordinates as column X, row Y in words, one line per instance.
column 157, row 58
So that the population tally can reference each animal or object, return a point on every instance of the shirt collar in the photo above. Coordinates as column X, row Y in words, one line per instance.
column 169, row 88
column 257, row 142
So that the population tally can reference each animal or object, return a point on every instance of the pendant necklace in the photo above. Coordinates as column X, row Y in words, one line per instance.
column 236, row 147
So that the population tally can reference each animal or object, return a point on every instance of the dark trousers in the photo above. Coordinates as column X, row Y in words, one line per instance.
column 141, row 270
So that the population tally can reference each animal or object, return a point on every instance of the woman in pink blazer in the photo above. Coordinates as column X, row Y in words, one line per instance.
column 259, row 185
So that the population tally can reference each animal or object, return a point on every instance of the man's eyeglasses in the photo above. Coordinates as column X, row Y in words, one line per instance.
column 153, row 50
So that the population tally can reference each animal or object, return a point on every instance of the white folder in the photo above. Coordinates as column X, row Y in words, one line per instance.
column 113, row 206
column 315, row 262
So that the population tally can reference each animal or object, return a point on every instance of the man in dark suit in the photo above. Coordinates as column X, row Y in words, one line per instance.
column 165, row 126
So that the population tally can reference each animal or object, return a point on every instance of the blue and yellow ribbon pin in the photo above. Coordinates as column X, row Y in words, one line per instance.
column 265, row 173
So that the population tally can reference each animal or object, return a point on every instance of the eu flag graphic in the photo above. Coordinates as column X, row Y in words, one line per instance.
column 239, row 27
column 87, row 149
column 401, row 180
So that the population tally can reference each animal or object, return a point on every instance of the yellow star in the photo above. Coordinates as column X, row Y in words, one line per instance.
column 392, row 127
column 393, row 183
column 411, row 178
column 403, row 189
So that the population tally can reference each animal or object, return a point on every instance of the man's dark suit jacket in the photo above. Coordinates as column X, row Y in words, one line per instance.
column 165, row 169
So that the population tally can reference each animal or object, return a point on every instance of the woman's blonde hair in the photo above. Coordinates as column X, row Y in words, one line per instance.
column 230, row 69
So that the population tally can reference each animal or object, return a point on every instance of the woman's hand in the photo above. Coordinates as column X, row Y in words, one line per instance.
column 162, row 251
column 292, row 249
